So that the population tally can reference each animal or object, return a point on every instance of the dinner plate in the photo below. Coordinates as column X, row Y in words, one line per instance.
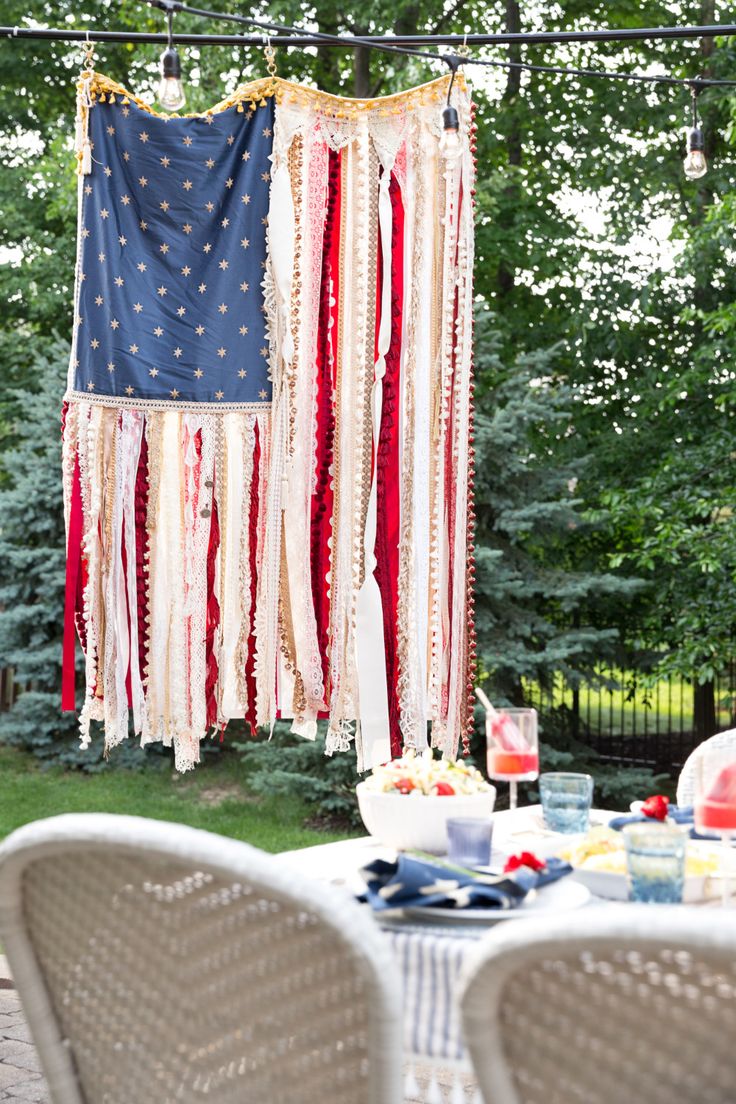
column 558, row 897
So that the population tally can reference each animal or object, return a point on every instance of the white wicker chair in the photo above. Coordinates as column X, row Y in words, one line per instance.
column 686, row 781
column 609, row 1006
column 158, row 964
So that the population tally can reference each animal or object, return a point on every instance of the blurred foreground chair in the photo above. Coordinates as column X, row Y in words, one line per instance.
column 158, row 964
column 688, row 774
column 607, row 1006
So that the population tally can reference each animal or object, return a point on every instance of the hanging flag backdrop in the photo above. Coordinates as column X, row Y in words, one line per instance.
column 267, row 428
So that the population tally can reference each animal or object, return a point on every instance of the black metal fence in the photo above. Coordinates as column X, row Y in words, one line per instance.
column 628, row 721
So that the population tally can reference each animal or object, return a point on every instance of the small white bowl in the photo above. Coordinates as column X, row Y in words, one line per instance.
column 417, row 823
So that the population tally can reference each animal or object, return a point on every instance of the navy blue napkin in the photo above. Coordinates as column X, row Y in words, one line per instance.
column 680, row 814
column 410, row 882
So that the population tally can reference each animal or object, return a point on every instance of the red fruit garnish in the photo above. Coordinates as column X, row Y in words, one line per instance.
column 656, row 807
column 443, row 789
column 404, row 785
column 525, row 858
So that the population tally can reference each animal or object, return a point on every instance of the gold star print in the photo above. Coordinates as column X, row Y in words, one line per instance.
column 119, row 281
column 246, row 156
column 207, row 247
column 143, row 225
column 263, row 351
column 222, row 308
column 111, row 130
column 225, row 223
column 266, row 132
column 107, row 170
column 178, row 352
column 162, row 291
column 187, row 141
column 143, row 136
column 137, row 307
column 133, row 348
column 187, row 228
column 158, row 331
column 153, row 372
column 174, row 394
column 125, row 200
column 244, row 286
column 164, row 205
column 82, row 276
column 123, row 240
column 263, row 394
column 210, row 163
column 165, row 162
column 244, row 242
column 242, row 373
column 101, row 256
column 186, row 270
column 99, row 300
column 126, row 112
column 79, row 320
column 219, row 394
column 230, row 139
column 209, row 120
column 85, row 232
column 186, row 185
column 88, row 189
column 114, row 323
column 265, row 177
column 229, row 182
column 198, row 373
column 110, row 366
column 264, row 220
column 130, row 390
column 246, row 199
column 90, row 386
column 163, row 248
column 243, row 330
column 104, row 213
column 143, row 181
column 141, row 266
column 221, row 351
column 94, row 343
column 181, row 311
column 126, row 156
column 223, row 264
column 210, row 206
column 199, row 330
column 202, row 289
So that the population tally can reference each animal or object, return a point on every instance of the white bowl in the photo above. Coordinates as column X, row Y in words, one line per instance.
column 418, row 823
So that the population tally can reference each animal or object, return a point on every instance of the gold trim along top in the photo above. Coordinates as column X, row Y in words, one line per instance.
column 254, row 93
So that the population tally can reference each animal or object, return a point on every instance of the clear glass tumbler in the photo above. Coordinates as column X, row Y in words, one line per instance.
column 655, row 861
column 469, row 840
column 566, row 799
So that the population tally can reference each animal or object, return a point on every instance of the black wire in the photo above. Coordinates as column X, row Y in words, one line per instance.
column 452, row 60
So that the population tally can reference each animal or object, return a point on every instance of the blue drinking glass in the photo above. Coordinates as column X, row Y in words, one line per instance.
column 566, row 800
column 469, row 840
column 655, row 861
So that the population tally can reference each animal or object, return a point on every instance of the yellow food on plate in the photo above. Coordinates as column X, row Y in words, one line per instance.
column 603, row 849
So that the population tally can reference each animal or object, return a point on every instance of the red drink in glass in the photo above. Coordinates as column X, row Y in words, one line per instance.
column 512, row 766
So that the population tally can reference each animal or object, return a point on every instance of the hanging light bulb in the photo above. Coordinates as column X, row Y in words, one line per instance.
column 170, row 92
column 450, row 147
column 695, row 164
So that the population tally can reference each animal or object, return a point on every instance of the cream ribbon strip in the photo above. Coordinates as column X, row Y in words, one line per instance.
column 370, row 646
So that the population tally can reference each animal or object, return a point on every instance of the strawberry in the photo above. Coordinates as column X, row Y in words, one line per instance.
column 443, row 789
column 404, row 785
column 656, row 807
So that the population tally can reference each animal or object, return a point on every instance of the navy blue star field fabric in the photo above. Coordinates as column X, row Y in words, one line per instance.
column 172, row 255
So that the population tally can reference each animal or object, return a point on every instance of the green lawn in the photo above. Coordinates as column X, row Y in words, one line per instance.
column 213, row 797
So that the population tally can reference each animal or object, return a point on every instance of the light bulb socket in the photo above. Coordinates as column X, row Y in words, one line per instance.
column 695, row 139
column 170, row 63
column 450, row 118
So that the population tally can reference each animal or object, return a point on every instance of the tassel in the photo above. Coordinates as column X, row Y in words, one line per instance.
column 434, row 1093
column 86, row 158
column 411, row 1088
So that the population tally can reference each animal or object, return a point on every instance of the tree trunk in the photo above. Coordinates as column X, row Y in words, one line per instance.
column 505, row 275
column 362, row 72
column 704, row 710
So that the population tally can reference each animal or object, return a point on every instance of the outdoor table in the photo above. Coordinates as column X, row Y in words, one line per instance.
column 431, row 956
